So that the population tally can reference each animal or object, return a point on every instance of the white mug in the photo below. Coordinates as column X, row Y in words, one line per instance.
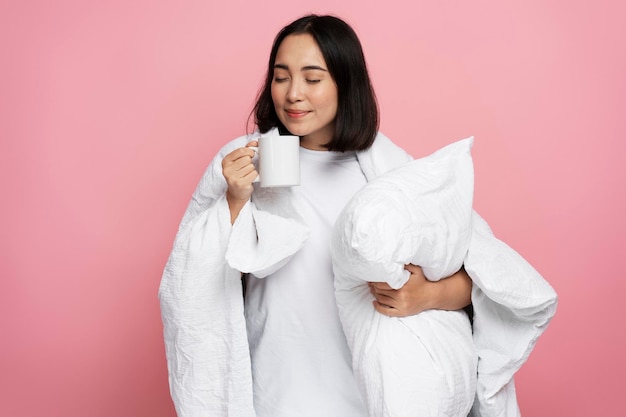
column 278, row 160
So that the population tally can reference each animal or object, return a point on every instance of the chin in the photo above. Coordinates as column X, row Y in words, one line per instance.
column 295, row 130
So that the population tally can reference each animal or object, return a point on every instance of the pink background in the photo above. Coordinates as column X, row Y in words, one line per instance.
column 110, row 112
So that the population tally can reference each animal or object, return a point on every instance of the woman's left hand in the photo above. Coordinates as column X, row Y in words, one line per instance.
column 419, row 294
column 413, row 298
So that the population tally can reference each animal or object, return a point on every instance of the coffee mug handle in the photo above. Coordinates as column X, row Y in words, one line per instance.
column 256, row 151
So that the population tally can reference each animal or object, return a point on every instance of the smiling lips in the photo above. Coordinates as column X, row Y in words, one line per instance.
column 296, row 113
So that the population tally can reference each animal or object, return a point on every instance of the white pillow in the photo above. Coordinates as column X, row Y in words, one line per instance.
column 419, row 213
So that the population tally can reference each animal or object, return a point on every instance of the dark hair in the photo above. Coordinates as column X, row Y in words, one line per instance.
column 356, row 122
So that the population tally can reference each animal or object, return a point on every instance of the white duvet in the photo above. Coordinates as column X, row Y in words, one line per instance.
column 421, row 213
column 202, row 305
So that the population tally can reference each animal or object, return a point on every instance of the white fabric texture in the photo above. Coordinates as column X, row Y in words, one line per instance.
column 301, row 363
column 513, row 305
column 419, row 213
column 202, row 304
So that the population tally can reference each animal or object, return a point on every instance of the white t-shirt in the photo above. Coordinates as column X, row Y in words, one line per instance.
column 301, row 364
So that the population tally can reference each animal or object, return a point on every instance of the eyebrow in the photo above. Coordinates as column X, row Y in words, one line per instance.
column 305, row 68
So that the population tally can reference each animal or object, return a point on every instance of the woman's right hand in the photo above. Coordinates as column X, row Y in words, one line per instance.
column 239, row 172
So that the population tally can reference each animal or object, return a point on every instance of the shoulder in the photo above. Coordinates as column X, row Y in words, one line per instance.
column 382, row 156
column 382, row 144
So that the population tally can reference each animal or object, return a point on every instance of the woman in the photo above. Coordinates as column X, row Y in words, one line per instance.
column 317, row 87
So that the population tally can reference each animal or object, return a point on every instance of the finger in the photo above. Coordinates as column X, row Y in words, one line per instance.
column 237, row 170
column 243, row 165
column 239, row 174
column 245, row 152
column 385, row 299
column 250, row 176
column 381, row 286
column 385, row 295
column 252, row 143
column 239, row 153
column 412, row 268
column 242, row 177
column 385, row 309
column 239, row 159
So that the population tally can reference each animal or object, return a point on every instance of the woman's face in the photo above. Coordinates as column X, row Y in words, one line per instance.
column 304, row 93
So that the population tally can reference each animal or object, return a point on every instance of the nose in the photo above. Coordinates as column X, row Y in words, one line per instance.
column 295, row 92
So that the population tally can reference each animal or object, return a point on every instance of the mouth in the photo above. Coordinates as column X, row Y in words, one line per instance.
column 296, row 114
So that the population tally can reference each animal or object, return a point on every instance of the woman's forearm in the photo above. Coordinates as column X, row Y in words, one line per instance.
column 419, row 294
column 234, row 206
column 453, row 293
